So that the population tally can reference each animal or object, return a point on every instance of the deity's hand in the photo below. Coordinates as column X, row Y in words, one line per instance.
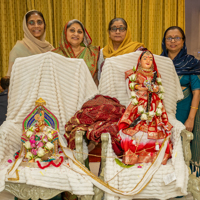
column 155, row 89
column 139, row 87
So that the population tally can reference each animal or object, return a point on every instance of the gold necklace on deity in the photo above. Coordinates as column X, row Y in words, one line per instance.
column 146, row 72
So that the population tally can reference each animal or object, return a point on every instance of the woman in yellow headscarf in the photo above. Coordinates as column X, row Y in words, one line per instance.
column 119, row 42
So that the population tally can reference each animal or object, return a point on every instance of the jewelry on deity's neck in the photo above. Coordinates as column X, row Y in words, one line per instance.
column 147, row 70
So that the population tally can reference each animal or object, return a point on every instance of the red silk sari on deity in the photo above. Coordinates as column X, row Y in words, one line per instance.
column 97, row 116
column 145, row 135
column 131, row 113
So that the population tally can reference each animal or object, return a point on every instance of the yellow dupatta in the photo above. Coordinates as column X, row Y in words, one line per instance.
column 127, row 46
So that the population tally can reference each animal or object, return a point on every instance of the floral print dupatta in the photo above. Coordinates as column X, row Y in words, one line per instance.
column 90, row 54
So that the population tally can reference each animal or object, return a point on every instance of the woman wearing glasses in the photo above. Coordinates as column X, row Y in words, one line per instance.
column 188, row 70
column 119, row 42
column 34, row 27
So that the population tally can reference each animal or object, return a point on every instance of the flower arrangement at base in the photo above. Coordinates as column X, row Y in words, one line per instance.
column 39, row 143
column 40, row 138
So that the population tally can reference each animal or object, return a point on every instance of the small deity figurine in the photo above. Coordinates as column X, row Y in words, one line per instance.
column 40, row 139
column 144, row 125
column 40, row 118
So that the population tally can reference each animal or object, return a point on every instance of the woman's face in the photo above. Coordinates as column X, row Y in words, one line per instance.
column 36, row 25
column 171, row 41
column 146, row 61
column 75, row 35
column 119, row 34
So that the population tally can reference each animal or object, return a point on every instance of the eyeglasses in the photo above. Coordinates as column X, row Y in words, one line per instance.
column 114, row 29
column 169, row 39
column 32, row 22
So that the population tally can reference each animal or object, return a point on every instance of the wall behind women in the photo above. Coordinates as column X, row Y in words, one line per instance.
column 147, row 19
column 192, row 26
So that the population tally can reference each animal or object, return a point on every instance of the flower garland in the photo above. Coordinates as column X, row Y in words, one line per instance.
column 147, row 116
column 50, row 163
column 39, row 143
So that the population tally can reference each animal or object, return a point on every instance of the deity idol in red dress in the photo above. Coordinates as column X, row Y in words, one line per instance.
column 144, row 125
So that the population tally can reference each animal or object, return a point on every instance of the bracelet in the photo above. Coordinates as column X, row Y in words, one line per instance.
column 194, row 107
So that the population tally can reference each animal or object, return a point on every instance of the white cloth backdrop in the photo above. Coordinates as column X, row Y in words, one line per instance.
column 64, row 83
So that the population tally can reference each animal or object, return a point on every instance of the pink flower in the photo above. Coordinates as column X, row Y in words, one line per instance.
column 32, row 137
column 40, row 144
column 32, row 145
column 139, row 166
column 32, row 141
column 34, row 151
column 10, row 161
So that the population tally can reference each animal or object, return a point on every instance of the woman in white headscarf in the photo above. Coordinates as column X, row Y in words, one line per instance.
column 34, row 42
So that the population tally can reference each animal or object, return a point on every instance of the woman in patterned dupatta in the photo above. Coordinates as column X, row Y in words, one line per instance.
column 188, row 70
column 76, row 43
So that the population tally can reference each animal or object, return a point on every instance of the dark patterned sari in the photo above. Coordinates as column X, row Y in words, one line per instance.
column 97, row 116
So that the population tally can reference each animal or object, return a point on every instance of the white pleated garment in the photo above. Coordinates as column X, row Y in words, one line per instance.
column 64, row 83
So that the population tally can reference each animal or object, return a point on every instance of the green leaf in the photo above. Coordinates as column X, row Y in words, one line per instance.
column 121, row 164
column 37, row 138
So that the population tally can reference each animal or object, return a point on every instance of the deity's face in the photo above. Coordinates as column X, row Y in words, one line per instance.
column 36, row 25
column 174, row 46
column 117, row 36
column 146, row 60
column 75, row 35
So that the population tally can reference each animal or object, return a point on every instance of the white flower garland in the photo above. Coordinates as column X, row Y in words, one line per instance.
column 146, row 115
